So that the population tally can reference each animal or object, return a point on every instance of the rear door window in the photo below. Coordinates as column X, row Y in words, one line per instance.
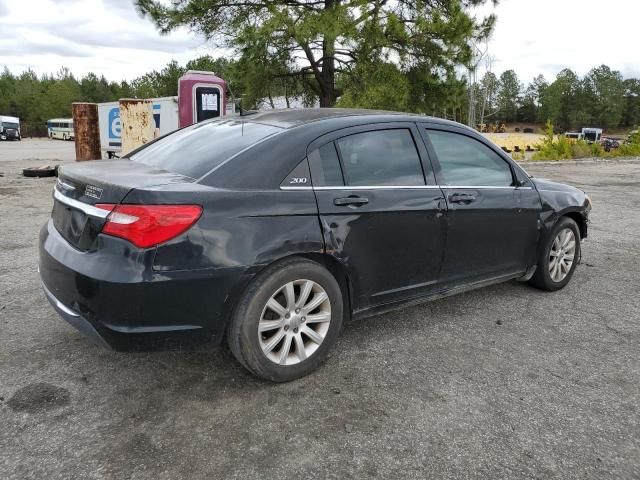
column 325, row 166
column 380, row 158
column 196, row 150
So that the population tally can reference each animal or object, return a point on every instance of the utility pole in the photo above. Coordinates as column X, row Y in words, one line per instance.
column 472, row 75
column 87, row 131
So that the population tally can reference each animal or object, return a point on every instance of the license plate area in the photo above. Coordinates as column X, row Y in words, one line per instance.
column 69, row 222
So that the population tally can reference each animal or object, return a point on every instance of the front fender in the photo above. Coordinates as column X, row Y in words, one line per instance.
column 560, row 200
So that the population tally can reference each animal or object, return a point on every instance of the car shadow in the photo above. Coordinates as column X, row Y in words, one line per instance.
column 216, row 368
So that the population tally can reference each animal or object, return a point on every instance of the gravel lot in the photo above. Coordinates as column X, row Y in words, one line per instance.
column 504, row 382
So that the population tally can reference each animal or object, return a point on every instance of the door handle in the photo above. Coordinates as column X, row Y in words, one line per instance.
column 351, row 200
column 461, row 198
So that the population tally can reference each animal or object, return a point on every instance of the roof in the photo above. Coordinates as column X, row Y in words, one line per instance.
column 60, row 120
column 293, row 117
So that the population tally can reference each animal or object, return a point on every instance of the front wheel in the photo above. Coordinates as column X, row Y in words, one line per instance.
column 287, row 321
column 559, row 257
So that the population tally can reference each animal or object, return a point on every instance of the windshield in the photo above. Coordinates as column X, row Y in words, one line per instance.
column 10, row 125
column 195, row 150
column 590, row 136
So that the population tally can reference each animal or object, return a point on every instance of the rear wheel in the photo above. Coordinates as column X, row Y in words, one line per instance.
column 287, row 321
column 559, row 258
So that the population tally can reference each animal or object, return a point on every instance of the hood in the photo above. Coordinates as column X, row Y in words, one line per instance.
column 542, row 184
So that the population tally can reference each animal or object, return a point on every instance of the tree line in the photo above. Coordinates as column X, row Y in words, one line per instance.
column 600, row 98
column 414, row 56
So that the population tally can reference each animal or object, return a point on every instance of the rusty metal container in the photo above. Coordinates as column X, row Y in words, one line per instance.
column 137, row 123
column 87, row 131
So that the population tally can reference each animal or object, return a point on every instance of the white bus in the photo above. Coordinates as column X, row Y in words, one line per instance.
column 61, row 128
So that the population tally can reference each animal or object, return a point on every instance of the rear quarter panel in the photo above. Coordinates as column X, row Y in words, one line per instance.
column 245, row 230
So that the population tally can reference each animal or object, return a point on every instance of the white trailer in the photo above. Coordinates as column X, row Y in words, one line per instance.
column 592, row 135
column 165, row 115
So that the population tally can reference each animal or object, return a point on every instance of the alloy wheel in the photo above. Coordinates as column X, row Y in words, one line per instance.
column 294, row 322
column 561, row 256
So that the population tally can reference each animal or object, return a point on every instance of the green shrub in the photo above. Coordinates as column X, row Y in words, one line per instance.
column 626, row 150
column 562, row 148
column 553, row 148
column 631, row 149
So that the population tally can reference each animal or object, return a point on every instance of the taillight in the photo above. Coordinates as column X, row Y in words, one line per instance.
column 149, row 225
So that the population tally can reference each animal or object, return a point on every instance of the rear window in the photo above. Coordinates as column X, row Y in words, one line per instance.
column 195, row 150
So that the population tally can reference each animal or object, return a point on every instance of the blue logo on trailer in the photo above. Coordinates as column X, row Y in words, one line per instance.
column 156, row 114
column 114, row 123
column 115, row 127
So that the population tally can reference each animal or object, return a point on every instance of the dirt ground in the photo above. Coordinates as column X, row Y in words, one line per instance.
column 37, row 149
column 504, row 382
column 511, row 140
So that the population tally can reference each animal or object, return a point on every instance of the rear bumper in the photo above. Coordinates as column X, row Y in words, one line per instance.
column 115, row 298
column 75, row 319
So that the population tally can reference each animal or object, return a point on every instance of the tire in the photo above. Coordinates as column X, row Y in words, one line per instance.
column 39, row 171
column 251, row 348
column 545, row 271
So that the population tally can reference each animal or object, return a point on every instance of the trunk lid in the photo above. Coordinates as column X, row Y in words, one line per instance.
column 81, row 186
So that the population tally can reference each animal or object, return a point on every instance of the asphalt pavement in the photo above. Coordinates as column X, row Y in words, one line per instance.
column 503, row 382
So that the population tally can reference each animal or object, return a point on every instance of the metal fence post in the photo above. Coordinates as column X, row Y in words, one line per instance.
column 87, row 131
column 138, row 125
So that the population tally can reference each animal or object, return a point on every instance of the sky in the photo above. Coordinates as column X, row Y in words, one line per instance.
column 109, row 37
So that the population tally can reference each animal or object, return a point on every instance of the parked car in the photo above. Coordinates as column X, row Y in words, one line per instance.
column 610, row 143
column 269, row 230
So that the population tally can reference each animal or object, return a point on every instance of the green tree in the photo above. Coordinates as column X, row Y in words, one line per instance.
column 562, row 101
column 431, row 94
column 604, row 95
column 29, row 97
column 95, row 89
column 382, row 86
column 7, row 92
column 163, row 83
column 60, row 94
column 531, row 102
column 36, row 99
column 631, row 116
column 508, row 96
column 488, row 88
column 328, row 37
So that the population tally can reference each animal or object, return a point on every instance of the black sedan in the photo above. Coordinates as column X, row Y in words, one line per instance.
column 268, row 230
